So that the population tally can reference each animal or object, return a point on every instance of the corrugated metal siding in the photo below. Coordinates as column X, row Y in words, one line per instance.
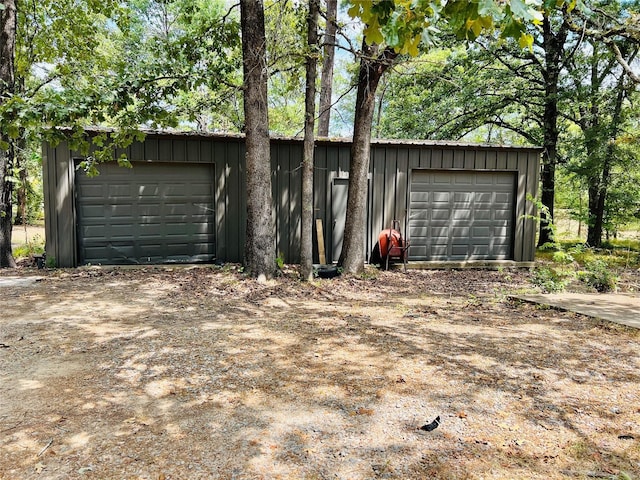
column 389, row 187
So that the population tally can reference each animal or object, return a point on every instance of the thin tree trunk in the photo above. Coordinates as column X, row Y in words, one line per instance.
column 326, row 80
column 306, row 245
column 23, row 182
column 598, row 204
column 8, row 25
column 372, row 65
column 259, row 257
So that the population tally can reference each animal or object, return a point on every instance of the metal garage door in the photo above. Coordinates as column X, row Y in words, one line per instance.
column 152, row 213
column 461, row 215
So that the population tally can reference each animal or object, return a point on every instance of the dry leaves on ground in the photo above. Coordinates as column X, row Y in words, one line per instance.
column 200, row 373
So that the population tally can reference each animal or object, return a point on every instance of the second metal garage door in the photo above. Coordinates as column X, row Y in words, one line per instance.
column 461, row 215
column 152, row 213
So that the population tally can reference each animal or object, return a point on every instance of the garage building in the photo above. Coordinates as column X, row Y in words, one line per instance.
column 184, row 200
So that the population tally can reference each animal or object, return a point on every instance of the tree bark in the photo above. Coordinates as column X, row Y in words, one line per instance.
column 306, row 245
column 598, row 192
column 553, row 45
column 8, row 25
column 326, row 79
column 259, row 257
column 372, row 66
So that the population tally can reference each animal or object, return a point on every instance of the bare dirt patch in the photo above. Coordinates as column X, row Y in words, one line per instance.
column 199, row 373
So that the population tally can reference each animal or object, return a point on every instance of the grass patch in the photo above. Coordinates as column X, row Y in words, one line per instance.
column 33, row 247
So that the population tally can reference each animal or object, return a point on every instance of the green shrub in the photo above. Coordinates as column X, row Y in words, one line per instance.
column 599, row 275
column 553, row 279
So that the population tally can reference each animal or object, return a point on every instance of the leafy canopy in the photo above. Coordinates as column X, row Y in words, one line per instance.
column 405, row 25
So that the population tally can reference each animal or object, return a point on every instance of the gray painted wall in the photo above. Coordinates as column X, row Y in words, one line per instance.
column 389, row 179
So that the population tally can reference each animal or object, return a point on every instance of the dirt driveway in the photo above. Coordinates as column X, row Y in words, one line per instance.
column 198, row 374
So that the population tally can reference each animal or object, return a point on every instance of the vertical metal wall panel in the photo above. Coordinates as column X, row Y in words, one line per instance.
column 236, row 212
column 319, row 193
column 376, row 197
column 165, row 150
column 151, row 149
column 390, row 192
column 219, row 156
column 491, row 160
column 533, row 169
column 295, row 204
column 49, row 197
column 430, row 158
column 65, row 172
column 192, row 148
column 414, row 158
column 280, row 157
column 206, row 151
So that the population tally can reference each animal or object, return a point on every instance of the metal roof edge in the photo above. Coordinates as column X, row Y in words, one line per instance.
column 321, row 140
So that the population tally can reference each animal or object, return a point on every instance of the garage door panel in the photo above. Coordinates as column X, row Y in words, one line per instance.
column 440, row 197
column 438, row 251
column 457, row 214
column 469, row 215
column 481, row 232
column 500, row 214
column 440, row 214
column 153, row 213
column 89, row 191
column 504, row 198
column 462, row 179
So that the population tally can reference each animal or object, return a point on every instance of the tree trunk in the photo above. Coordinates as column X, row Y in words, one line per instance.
column 306, row 245
column 553, row 50
column 259, row 260
column 597, row 204
column 23, row 181
column 372, row 65
column 326, row 80
column 7, row 85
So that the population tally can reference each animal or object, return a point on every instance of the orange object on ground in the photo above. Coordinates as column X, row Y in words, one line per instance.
column 392, row 245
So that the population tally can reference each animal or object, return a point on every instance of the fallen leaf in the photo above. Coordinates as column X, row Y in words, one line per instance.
column 462, row 414
column 364, row 411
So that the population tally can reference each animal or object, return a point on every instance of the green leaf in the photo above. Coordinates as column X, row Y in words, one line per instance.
column 489, row 8
column 525, row 12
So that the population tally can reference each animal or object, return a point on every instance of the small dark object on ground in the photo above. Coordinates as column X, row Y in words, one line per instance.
column 626, row 437
column 40, row 259
column 431, row 426
column 327, row 271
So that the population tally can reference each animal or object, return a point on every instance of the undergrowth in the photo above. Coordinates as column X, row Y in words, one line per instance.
column 33, row 247
column 563, row 262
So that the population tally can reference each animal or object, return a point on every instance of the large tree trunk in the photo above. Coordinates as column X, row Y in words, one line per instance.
column 260, row 261
column 554, row 51
column 326, row 80
column 7, row 84
column 372, row 65
column 306, row 245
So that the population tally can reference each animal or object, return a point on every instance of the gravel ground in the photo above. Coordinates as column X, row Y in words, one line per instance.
column 197, row 373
